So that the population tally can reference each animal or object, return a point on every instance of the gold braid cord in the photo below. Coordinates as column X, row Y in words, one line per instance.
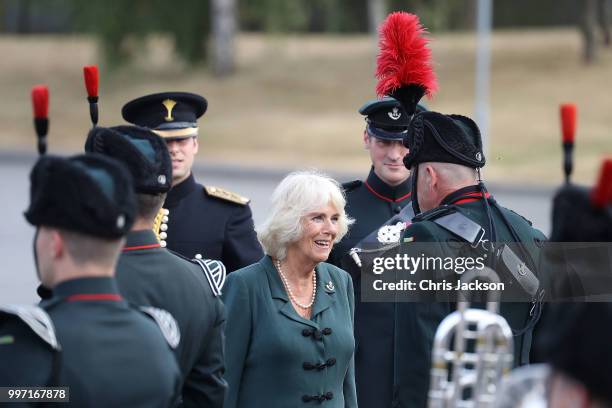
column 157, row 223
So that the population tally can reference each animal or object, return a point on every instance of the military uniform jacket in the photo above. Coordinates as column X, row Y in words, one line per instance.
column 371, row 204
column 418, row 322
column 276, row 358
column 111, row 354
column 209, row 225
column 29, row 351
column 150, row 275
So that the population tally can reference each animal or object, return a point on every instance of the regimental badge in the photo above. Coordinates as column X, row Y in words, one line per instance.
column 390, row 234
column 167, row 324
column 329, row 286
column 169, row 105
column 395, row 113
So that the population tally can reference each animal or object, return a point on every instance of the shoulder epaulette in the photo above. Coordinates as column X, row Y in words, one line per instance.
column 37, row 319
column 215, row 273
column 351, row 185
column 226, row 195
column 167, row 324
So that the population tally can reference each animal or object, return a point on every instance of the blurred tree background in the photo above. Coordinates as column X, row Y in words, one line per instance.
column 121, row 25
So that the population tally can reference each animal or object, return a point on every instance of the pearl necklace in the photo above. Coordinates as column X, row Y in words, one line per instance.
column 290, row 292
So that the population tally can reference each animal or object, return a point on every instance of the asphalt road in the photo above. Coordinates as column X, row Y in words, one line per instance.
column 17, row 273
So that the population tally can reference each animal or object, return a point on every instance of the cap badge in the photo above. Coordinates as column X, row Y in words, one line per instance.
column 121, row 221
column 169, row 105
column 478, row 156
column 161, row 179
column 395, row 113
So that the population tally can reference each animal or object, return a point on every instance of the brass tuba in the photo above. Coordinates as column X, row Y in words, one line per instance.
column 472, row 351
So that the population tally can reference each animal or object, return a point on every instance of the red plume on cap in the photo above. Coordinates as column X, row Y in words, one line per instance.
column 404, row 57
column 602, row 193
column 91, row 80
column 40, row 101
column 568, row 122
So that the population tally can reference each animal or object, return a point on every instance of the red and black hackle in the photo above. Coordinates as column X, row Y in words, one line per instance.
column 91, row 76
column 40, row 105
column 404, row 66
column 568, row 132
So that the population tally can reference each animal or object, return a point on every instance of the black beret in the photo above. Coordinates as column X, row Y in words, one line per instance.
column 575, row 219
column 143, row 152
column 90, row 194
column 434, row 137
column 575, row 340
column 170, row 114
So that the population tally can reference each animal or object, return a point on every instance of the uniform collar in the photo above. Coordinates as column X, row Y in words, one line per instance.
column 180, row 191
column 326, row 292
column 142, row 239
column 88, row 289
column 464, row 195
column 384, row 191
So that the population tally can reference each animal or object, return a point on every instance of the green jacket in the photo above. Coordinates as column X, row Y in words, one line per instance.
column 150, row 275
column 277, row 359
column 418, row 322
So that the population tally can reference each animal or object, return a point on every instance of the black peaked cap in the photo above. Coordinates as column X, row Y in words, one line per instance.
column 165, row 111
column 435, row 137
column 143, row 152
column 90, row 194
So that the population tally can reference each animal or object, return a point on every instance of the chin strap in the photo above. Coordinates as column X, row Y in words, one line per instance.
column 415, row 198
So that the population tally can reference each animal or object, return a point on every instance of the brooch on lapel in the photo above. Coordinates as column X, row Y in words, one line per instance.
column 329, row 287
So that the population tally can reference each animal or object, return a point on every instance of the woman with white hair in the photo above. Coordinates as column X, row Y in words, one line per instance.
column 289, row 329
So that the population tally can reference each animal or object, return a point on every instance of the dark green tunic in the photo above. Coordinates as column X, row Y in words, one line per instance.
column 112, row 355
column 417, row 322
column 150, row 275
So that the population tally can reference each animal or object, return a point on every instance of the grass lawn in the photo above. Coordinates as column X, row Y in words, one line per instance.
column 293, row 101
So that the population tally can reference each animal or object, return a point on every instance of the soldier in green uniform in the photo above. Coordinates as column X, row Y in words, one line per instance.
column 86, row 336
column 453, row 208
column 384, row 193
column 150, row 275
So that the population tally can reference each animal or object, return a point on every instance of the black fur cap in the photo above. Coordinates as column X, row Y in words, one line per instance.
column 143, row 152
column 434, row 137
column 90, row 194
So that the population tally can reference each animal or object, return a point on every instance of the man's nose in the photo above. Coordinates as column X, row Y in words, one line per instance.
column 395, row 151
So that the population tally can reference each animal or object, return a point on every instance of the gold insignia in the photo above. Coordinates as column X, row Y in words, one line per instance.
column 226, row 195
column 169, row 105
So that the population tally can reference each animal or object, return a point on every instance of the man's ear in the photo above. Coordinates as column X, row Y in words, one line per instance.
column 366, row 140
column 57, row 244
column 432, row 175
column 196, row 145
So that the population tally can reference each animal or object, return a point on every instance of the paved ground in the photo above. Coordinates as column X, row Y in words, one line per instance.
column 17, row 274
